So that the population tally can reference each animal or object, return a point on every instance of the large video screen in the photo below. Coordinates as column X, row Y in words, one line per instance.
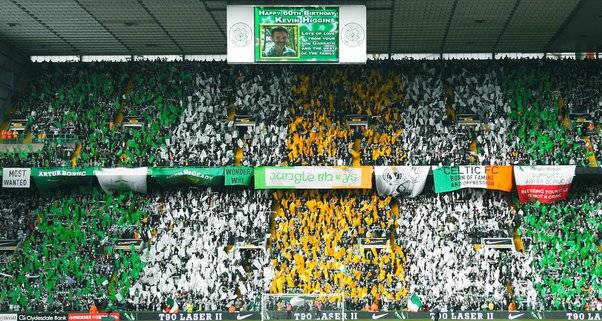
column 296, row 34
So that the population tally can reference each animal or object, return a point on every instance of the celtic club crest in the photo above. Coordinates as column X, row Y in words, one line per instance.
column 353, row 34
column 240, row 34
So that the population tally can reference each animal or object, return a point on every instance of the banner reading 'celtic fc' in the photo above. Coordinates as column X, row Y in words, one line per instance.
column 451, row 178
column 400, row 180
column 313, row 177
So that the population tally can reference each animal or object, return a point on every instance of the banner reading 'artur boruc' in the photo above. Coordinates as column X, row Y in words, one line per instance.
column 545, row 184
column 313, row 177
column 400, row 180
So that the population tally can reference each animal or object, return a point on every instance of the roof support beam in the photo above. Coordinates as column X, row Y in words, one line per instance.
column 210, row 11
column 506, row 24
column 75, row 50
column 449, row 21
column 391, row 19
column 161, row 26
column 103, row 26
column 565, row 23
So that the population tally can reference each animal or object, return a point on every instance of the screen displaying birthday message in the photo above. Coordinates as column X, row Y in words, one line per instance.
column 296, row 34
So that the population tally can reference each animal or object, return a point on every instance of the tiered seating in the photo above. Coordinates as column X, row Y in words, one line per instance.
column 265, row 94
column 540, row 136
column 192, row 258
column 567, row 263
column 69, row 257
column 438, row 233
column 315, row 247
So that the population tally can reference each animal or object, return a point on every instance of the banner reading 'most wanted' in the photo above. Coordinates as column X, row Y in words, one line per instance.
column 313, row 177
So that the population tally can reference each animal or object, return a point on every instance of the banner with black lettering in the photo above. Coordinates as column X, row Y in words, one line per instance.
column 400, row 180
column 238, row 175
column 452, row 178
column 546, row 184
column 16, row 177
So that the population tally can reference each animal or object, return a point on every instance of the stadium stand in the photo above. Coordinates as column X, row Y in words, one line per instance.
column 416, row 112
column 567, row 263
column 314, row 247
column 439, row 233
column 69, row 259
column 197, row 254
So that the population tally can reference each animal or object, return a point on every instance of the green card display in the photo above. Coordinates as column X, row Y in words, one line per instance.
column 296, row 34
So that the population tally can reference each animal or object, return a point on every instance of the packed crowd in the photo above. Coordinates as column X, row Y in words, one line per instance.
column 315, row 247
column 195, row 254
column 185, row 114
column 567, row 262
column 427, row 112
column 438, row 234
column 68, row 258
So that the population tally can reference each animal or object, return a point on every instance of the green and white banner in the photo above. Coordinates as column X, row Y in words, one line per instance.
column 313, row 177
column 48, row 179
column 238, row 175
column 122, row 179
column 188, row 176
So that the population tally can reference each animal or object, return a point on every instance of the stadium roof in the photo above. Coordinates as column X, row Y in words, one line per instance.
column 134, row 27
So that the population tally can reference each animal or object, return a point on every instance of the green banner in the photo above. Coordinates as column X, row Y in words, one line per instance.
column 188, row 176
column 48, row 179
column 446, row 179
column 238, row 175
column 296, row 34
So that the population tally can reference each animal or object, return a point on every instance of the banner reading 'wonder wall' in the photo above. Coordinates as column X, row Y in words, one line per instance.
column 545, row 184
column 238, row 175
column 451, row 178
column 400, row 180
column 313, row 177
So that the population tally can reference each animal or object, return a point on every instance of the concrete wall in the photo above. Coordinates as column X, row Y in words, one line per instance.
column 13, row 74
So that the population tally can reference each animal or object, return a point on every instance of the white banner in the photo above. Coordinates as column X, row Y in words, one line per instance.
column 313, row 177
column 8, row 317
column 122, row 179
column 400, row 180
column 546, row 184
column 16, row 177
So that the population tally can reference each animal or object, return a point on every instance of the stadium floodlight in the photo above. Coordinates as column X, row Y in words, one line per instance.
column 291, row 306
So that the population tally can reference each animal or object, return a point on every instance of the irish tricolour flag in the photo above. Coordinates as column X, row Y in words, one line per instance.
column 414, row 304
column 451, row 178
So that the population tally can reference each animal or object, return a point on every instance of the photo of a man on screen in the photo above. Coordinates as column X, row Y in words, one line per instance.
column 280, row 36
